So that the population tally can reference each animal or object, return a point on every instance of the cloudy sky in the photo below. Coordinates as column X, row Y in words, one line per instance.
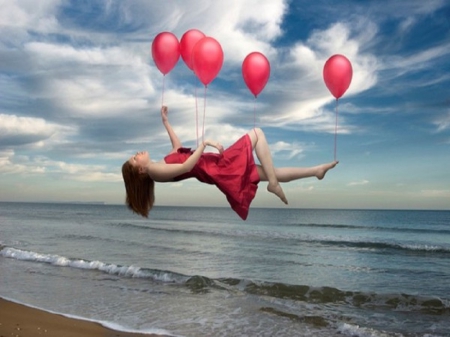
column 80, row 93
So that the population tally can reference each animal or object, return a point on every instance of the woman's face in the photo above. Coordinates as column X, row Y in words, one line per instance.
column 140, row 159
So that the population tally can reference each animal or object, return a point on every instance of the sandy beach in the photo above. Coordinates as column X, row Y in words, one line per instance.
column 21, row 321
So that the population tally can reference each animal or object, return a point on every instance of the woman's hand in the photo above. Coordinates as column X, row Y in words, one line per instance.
column 217, row 145
column 164, row 113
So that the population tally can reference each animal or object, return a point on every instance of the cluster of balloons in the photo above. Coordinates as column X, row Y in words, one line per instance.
column 201, row 54
column 204, row 56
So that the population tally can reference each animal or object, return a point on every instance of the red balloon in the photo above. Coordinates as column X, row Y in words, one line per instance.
column 207, row 59
column 256, row 72
column 187, row 43
column 337, row 74
column 165, row 51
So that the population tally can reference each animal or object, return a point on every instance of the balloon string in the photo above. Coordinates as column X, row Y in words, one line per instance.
column 196, row 114
column 162, row 94
column 335, row 131
column 254, row 113
column 204, row 114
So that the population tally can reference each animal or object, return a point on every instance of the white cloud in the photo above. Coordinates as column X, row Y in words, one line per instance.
column 16, row 130
column 240, row 26
column 293, row 149
column 12, row 163
column 416, row 61
column 50, row 54
column 406, row 25
column 443, row 122
column 81, row 172
column 29, row 14
column 91, row 81
column 358, row 183
column 8, row 166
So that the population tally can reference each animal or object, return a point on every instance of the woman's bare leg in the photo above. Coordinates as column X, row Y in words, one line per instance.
column 287, row 174
column 259, row 144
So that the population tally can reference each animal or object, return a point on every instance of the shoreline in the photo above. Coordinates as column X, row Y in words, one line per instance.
column 23, row 321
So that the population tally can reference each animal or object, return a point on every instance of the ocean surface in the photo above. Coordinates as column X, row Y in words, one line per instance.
column 204, row 272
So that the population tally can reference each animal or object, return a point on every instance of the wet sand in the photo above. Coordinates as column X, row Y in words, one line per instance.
column 21, row 321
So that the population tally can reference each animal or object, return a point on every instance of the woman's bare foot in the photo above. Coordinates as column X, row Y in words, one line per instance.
column 278, row 191
column 322, row 169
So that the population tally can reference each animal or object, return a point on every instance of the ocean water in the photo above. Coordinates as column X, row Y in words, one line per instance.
column 203, row 272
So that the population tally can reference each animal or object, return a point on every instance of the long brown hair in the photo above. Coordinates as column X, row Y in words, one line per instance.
column 140, row 190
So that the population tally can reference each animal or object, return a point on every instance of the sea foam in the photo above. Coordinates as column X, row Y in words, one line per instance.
column 113, row 269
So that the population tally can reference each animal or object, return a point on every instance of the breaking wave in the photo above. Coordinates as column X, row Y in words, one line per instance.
column 202, row 284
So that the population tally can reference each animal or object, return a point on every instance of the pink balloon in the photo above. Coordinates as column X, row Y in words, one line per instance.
column 207, row 59
column 187, row 43
column 165, row 51
column 337, row 74
column 256, row 72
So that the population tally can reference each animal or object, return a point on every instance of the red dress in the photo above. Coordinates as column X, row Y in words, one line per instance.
column 234, row 172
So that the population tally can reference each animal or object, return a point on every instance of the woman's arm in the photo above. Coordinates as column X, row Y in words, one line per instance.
column 176, row 144
column 163, row 172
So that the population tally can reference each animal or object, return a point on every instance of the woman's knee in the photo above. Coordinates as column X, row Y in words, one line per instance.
column 258, row 132
column 255, row 134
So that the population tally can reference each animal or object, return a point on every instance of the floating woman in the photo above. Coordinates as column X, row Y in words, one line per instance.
column 232, row 170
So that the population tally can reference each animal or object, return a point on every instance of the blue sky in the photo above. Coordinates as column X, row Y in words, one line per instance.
column 80, row 93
